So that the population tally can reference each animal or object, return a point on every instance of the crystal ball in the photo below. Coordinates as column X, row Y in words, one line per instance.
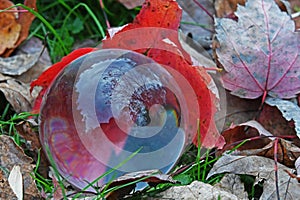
column 111, row 112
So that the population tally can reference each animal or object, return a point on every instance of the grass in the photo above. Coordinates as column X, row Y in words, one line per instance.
column 63, row 23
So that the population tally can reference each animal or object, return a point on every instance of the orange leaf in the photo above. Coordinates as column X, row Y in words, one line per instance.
column 25, row 19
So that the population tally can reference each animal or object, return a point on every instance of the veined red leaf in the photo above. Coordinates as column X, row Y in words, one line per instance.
column 47, row 77
column 143, row 33
column 260, row 52
column 154, row 33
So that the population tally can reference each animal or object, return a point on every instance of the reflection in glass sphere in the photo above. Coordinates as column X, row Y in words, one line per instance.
column 106, row 106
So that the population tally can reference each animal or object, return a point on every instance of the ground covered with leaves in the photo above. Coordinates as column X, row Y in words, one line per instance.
column 239, row 60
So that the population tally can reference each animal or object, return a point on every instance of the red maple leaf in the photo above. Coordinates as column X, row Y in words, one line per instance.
column 154, row 34
column 260, row 52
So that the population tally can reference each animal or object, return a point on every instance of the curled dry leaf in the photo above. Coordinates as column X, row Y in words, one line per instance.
column 11, row 155
column 25, row 66
column 17, row 94
column 226, row 8
column 286, row 152
column 272, row 120
column 18, row 64
column 290, row 111
column 9, row 27
column 25, row 19
column 253, row 131
column 263, row 169
column 260, row 56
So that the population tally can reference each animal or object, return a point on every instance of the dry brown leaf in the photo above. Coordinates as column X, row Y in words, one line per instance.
column 11, row 155
column 287, row 152
column 237, row 133
column 25, row 19
column 18, row 64
column 236, row 110
column 232, row 183
column 226, row 8
column 17, row 94
column 9, row 27
column 16, row 88
column 264, row 170
column 272, row 120
column 196, row 190
column 295, row 4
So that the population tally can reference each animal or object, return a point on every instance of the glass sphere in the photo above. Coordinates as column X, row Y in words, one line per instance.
column 111, row 112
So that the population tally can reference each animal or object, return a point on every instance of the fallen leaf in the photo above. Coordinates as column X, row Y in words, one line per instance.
column 16, row 87
column 226, row 8
column 235, row 110
column 15, row 181
column 11, row 155
column 25, row 19
column 238, row 133
column 17, row 95
column 261, row 55
column 196, row 190
column 47, row 77
column 149, row 176
column 196, row 23
column 295, row 5
column 9, row 27
column 18, row 64
column 154, row 33
column 232, row 183
column 260, row 142
column 271, row 119
column 286, row 152
column 30, row 47
column 200, row 56
column 264, row 171
column 289, row 110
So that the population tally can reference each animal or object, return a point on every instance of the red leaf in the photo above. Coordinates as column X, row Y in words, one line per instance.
column 154, row 33
column 260, row 52
column 47, row 77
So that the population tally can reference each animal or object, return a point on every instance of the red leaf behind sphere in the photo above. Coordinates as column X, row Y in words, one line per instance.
column 48, row 76
column 154, row 33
